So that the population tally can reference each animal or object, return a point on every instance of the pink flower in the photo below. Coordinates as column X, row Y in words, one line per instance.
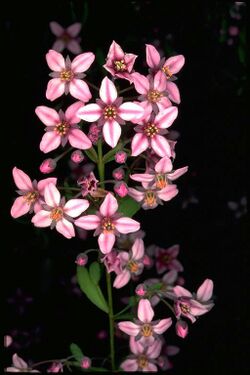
column 19, row 365
column 31, row 193
column 67, row 76
column 107, row 223
column 88, row 184
column 150, row 197
column 119, row 63
column 150, row 133
column 165, row 259
column 57, row 213
column 110, row 112
column 169, row 67
column 66, row 38
column 181, row 328
column 48, row 166
column 190, row 305
column 162, row 174
column 142, row 359
column 62, row 127
column 56, row 367
column 131, row 264
column 121, row 189
column 145, row 330
column 112, row 262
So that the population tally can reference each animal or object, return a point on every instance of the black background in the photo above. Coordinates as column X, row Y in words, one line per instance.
column 212, row 123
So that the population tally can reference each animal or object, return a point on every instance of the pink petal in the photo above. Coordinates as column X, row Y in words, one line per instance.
column 65, row 228
column 22, row 180
column 164, row 165
column 152, row 56
column 179, row 291
column 136, row 194
column 59, row 45
column 135, row 346
column 42, row 219
column 128, row 111
column 91, row 112
column 151, row 367
column 142, row 177
column 198, row 309
column 162, row 326
column 145, row 311
column 176, row 174
column 106, row 242
column 164, row 103
column 47, row 115
column 168, row 193
column 165, row 118
column 80, row 90
column 50, row 141
column 130, row 328
column 42, row 183
column 51, row 195
column 126, row 225
column 121, row 279
column 115, row 51
column 111, row 133
column 205, row 291
column 79, row 140
column 56, row 29
column 172, row 350
column 109, row 206
column 173, row 250
column 55, row 60
column 170, row 277
column 108, row 92
column 74, row 29
column 74, row 47
column 74, row 207
column 82, row 62
column 141, row 83
column 88, row 222
column 130, row 60
column 160, row 146
column 129, row 365
column 11, row 369
column 20, row 207
column 138, row 249
column 71, row 113
column 154, row 350
column 19, row 362
column 175, row 63
column 173, row 92
column 139, row 144
column 160, row 81
column 55, row 89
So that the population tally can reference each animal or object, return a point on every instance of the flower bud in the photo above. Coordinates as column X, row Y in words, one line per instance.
column 81, row 259
column 56, row 367
column 120, row 157
column 141, row 290
column 86, row 363
column 48, row 166
column 121, row 189
column 93, row 133
column 77, row 156
column 181, row 328
column 118, row 174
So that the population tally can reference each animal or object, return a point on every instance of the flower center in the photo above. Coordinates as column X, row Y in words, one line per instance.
column 165, row 258
column 66, row 75
column 150, row 198
column 184, row 308
column 107, row 225
column 154, row 96
column 133, row 266
column 31, row 197
column 120, row 65
column 146, row 330
column 66, row 38
column 110, row 112
column 167, row 71
column 142, row 361
column 62, row 128
column 161, row 181
column 150, row 130
column 56, row 214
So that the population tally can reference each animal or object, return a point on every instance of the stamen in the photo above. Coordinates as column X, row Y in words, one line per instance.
column 150, row 198
column 167, row 71
column 56, row 214
column 110, row 112
column 161, row 181
column 107, row 225
column 142, row 361
column 62, row 128
column 146, row 330
column 66, row 75
column 150, row 130
column 133, row 266
column 120, row 65
column 154, row 96
column 31, row 197
column 184, row 308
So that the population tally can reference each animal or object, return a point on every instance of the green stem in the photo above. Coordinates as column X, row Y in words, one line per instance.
column 111, row 321
column 63, row 154
column 100, row 163
column 122, row 311
column 168, row 305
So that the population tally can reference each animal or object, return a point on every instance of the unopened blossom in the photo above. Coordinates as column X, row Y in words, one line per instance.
column 31, row 193
column 166, row 259
column 94, row 133
column 77, row 156
column 81, row 259
column 88, row 184
column 19, row 365
column 145, row 330
column 66, row 37
column 112, row 262
column 67, row 76
column 192, row 305
column 169, row 67
column 161, row 175
column 110, row 112
column 119, row 63
column 107, row 223
column 85, row 363
column 121, row 157
column 121, row 189
column 141, row 290
column 150, row 133
column 131, row 263
column 150, row 197
column 56, row 367
column 142, row 359
column 48, row 166
column 181, row 328
column 62, row 128
column 56, row 213
column 118, row 174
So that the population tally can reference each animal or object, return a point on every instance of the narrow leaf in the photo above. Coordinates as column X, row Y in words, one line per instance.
column 91, row 154
column 128, row 206
column 95, row 272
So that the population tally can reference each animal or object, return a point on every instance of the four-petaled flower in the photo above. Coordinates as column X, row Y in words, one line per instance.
column 67, row 76
column 62, row 127
column 66, row 38
column 107, row 223
column 166, row 259
column 110, row 112
column 56, row 213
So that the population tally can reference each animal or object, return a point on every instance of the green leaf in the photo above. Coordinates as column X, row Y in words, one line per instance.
column 92, row 291
column 127, row 316
column 109, row 156
column 95, row 272
column 128, row 206
column 98, row 369
column 91, row 154
column 76, row 352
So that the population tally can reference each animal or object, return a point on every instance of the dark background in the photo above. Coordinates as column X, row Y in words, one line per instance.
column 212, row 124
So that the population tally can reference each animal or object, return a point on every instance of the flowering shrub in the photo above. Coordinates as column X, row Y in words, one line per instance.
column 131, row 137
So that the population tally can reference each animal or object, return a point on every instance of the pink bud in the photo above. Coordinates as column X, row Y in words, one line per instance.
column 140, row 290
column 56, row 367
column 81, row 259
column 121, row 189
column 86, row 363
column 48, row 166
column 181, row 328
column 77, row 156
column 7, row 341
column 118, row 174
column 93, row 133
column 233, row 30
column 121, row 157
